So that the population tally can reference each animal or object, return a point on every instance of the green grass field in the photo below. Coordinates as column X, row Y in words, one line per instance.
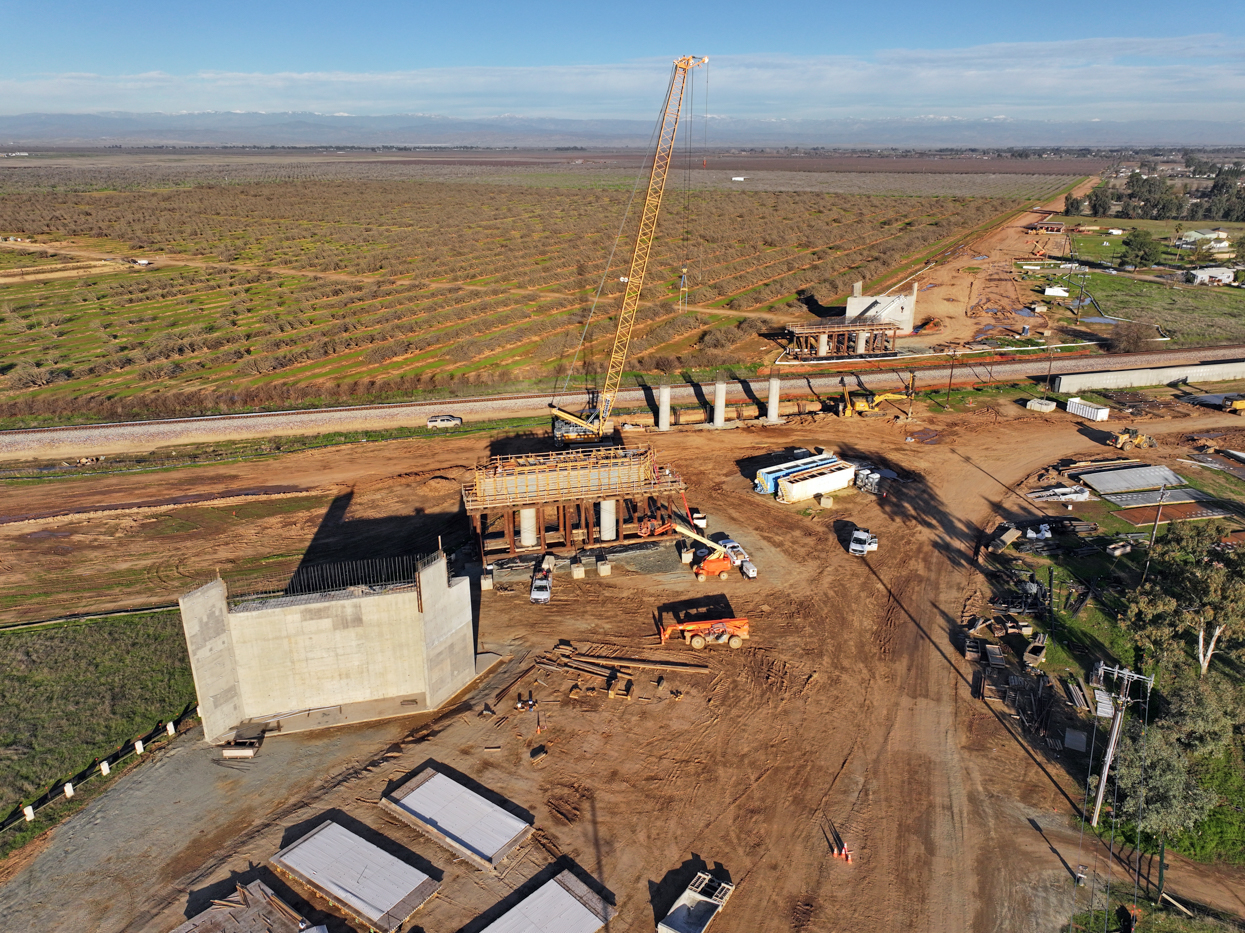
column 72, row 693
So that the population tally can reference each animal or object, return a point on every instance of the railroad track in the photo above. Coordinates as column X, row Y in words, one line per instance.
column 95, row 439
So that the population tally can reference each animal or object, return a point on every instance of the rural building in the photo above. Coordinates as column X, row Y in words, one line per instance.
column 1217, row 239
column 1213, row 275
column 1045, row 226
column 345, row 653
column 869, row 328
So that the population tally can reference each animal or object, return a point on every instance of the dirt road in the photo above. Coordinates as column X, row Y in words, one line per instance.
column 848, row 705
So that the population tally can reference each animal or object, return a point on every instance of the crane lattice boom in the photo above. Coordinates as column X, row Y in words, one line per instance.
column 594, row 425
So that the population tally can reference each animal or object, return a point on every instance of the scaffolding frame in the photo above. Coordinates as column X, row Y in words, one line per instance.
column 857, row 338
column 565, row 490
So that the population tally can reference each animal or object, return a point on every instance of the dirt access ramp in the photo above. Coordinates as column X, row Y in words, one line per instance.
column 959, row 298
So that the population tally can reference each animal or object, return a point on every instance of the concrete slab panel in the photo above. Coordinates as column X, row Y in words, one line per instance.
column 458, row 817
column 561, row 905
column 1132, row 479
column 366, row 881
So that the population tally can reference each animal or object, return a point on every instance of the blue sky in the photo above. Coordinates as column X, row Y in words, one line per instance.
column 1060, row 60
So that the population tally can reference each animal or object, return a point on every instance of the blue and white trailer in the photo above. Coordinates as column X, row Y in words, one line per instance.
column 767, row 479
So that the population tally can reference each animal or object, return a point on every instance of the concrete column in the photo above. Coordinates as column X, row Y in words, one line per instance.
column 609, row 520
column 719, row 405
column 527, row 528
column 771, row 407
column 663, row 408
column 823, row 344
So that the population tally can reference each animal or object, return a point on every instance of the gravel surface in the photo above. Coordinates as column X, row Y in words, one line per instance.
column 92, row 440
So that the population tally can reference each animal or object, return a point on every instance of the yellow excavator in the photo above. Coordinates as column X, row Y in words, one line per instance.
column 868, row 404
column 594, row 425
column 1235, row 406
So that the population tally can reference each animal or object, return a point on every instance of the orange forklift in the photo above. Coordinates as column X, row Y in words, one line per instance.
column 701, row 632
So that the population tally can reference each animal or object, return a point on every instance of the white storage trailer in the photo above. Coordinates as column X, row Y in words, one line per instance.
column 816, row 482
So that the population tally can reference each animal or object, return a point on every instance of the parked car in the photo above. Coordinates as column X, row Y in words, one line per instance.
column 444, row 421
column 542, row 587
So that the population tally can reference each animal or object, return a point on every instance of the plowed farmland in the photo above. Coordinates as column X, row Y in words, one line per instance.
column 281, row 291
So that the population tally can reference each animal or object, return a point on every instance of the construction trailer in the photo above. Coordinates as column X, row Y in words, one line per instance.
column 767, row 478
column 571, row 499
column 817, row 481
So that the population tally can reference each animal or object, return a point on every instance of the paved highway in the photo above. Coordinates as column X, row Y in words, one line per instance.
column 94, row 440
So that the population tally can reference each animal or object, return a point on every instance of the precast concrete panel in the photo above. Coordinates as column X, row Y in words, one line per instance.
column 205, row 621
column 448, row 633
column 331, row 653
column 1131, row 378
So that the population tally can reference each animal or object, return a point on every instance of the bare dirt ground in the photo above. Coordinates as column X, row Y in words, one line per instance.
column 959, row 298
column 849, row 704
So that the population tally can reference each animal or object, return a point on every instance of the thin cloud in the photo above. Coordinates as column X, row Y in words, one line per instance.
column 1182, row 77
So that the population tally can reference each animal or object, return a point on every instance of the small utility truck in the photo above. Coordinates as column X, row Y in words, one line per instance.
column 696, row 906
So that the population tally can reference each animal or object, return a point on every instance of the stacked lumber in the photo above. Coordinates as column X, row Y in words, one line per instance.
column 566, row 659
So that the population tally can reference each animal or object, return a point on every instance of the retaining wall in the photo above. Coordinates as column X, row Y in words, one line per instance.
column 1131, row 378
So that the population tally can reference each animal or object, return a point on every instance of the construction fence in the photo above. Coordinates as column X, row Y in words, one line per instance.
column 63, row 790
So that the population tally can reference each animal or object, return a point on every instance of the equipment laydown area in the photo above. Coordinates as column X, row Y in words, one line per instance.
column 835, row 768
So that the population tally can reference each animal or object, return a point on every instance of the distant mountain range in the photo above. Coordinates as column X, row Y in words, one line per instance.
column 312, row 129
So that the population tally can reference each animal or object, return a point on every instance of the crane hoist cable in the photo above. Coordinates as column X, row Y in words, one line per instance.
column 593, row 424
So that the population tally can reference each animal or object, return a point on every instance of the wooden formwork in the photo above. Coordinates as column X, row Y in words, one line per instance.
column 823, row 340
column 565, row 489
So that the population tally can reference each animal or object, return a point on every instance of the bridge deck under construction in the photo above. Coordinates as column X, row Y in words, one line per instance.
column 841, row 338
column 567, row 500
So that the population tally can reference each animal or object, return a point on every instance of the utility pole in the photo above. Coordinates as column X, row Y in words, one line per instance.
column 1154, row 532
column 950, row 376
column 1050, row 365
column 1120, row 702
column 911, row 393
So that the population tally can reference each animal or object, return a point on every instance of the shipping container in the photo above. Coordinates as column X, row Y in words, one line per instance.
column 1087, row 410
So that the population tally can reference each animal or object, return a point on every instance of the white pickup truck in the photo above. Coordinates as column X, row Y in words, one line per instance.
column 862, row 542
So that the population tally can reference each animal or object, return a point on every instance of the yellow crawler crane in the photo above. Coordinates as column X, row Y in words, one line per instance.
column 594, row 424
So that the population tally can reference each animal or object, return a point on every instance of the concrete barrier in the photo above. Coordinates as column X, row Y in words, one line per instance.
column 1131, row 378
